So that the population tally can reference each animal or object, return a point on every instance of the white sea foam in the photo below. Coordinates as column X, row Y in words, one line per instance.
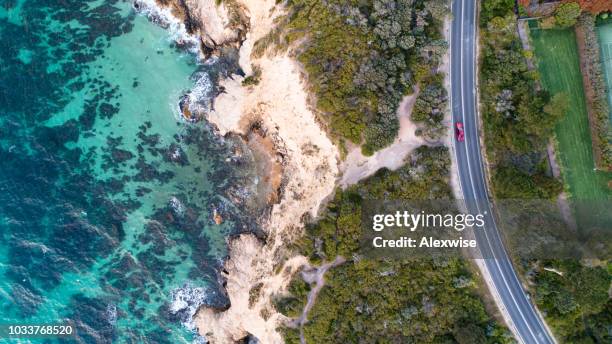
column 243, row 192
column 201, row 94
column 176, row 28
column 31, row 244
column 199, row 97
column 176, row 154
column 177, row 205
column 111, row 314
column 186, row 301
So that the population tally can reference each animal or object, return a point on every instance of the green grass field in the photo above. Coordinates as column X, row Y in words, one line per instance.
column 558, row 63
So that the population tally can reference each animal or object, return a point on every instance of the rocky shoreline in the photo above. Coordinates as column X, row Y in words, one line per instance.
column 218, row 25
column 263, row 100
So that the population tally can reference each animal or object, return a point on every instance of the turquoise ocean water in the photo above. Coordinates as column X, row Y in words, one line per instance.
column 106, row 192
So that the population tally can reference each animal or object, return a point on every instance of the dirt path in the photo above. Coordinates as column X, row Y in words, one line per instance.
column 356, row 166
column 316, row 276
column 523, row 32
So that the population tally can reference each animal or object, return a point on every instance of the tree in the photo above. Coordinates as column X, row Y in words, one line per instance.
column 557, row 107
column 567, row 14
column 495, row 8
column 438, row 8
column 430, row 107
column 469, row 334
column 564, row 302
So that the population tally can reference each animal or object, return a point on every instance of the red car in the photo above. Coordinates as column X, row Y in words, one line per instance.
column 459, row 131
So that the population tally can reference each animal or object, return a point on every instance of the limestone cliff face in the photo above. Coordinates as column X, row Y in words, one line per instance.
column 219, row 24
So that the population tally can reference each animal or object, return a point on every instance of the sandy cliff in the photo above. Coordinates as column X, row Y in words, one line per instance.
column 277, row 105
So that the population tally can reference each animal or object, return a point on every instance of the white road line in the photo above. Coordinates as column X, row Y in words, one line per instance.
column 468, row 161
column 472, row 181
column 487, row 198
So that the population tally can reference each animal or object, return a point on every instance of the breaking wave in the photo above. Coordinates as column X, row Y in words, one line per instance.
column 164, row 18
column 201, row 93
column 185, row 303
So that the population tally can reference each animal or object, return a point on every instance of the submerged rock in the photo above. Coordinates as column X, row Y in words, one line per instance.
column 217, row 217
column 188, row 114
column 249, row 339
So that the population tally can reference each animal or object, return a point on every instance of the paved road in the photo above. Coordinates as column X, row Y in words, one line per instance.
column 528, row 325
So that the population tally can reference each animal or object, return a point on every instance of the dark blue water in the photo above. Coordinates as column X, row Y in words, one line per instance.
column 106, row 193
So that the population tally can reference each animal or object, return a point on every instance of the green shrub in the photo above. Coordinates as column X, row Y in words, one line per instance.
column 294, row 302
column 430, row 107
column 254, row 78
column 566, row 14
column 575, row 299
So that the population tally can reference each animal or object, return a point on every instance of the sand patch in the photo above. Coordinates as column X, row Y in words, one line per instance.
column 357, row 166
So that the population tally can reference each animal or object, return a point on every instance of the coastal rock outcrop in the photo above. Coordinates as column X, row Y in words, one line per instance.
column 275, row 119
column 275, row 115
column 218, row 24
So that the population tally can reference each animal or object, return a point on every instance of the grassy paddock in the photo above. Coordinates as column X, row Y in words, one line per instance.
column 558, row 63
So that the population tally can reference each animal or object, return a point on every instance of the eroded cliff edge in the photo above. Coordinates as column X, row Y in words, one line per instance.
column 267, row 93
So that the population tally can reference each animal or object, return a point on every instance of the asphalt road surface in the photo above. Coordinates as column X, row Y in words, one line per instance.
column 528, row 325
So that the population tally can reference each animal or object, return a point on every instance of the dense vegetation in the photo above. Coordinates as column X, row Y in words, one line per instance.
column 292, row 304
column 430, row 107
column 425, row 176
column 601, row 131
column 575, row 299
column 567, row 14
column 362, row 57
column 403, row 302
column 394, row 300
column 519, row 118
